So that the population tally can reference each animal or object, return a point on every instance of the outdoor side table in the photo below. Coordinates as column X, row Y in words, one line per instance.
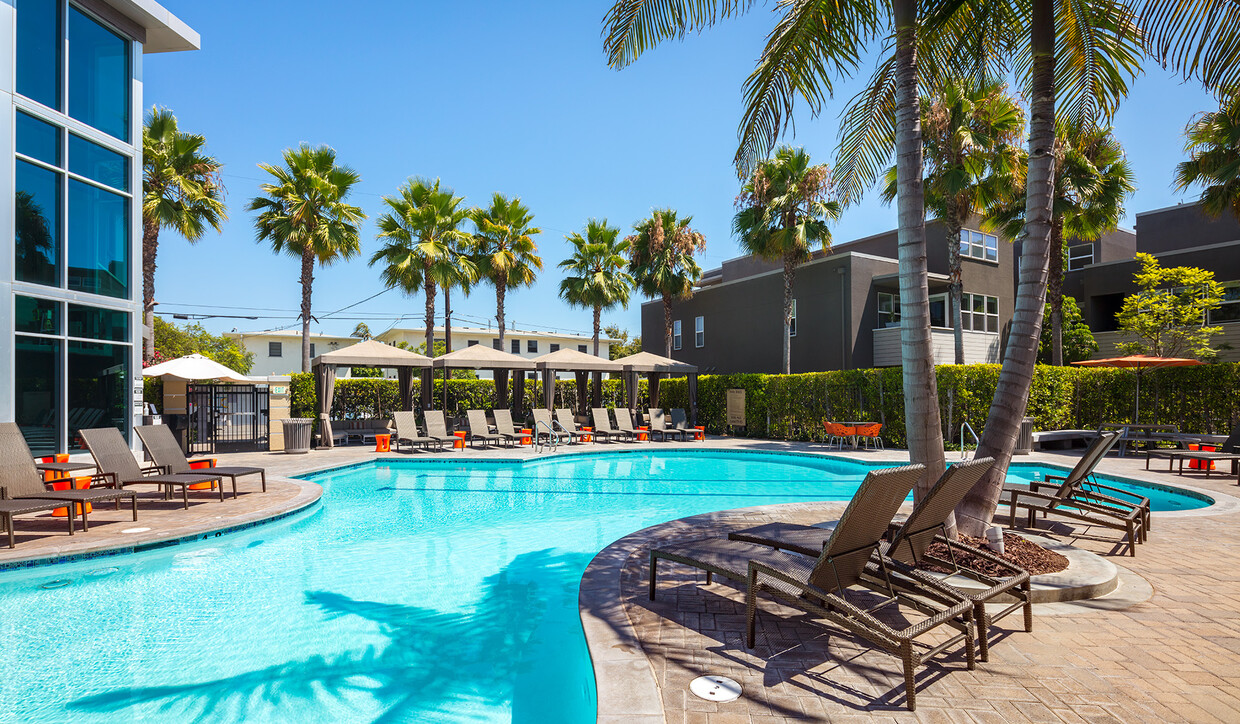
column 699, row 433
column 643, row 433
column 61, row 469
column 587, row 437
column 383, row 442
column 527, row 435
column 459, row 443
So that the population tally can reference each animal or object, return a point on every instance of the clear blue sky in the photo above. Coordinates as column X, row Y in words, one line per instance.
column 496, row 96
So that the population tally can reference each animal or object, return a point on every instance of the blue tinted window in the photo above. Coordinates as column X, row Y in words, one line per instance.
column 98, row 388
column 37, row 139
column 95, row 323
column 98, row 163
column 98, row 75
column 36, row 391
column 98, row 241
column 36, row 224
column 36, row 315
column 38, row 51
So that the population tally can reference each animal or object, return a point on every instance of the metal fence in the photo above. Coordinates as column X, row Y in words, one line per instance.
column 227, row 418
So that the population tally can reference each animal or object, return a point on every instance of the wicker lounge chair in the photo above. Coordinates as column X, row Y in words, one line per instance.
column 820, row 586
column 569, row 423
column 1229, row 451
column 680, row 420
column 504, row 427
column 22, row 480
column 1079, row 498
column 437, row 427
column 479, row 429
column 543, row 423
column 164, row 450
column 659, row 426
column 602, row 425
column 10, row 508
column 624, row 422
column 407, row 432
column 907, row 548
column 116, row 462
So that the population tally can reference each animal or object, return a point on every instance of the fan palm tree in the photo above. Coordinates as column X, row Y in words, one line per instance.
column 181, row 191
column 598, row 272
column 304, row 214
column 504, row 249
column 785, row 207
column 1213, row 148
column 661, row 261
column 971, row 134
column 1093, row 179
column 421, row 230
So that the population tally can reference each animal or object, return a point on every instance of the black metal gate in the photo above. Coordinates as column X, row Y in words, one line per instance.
column 226, row 418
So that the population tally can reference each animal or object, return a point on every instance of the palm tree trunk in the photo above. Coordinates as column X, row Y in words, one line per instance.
column 501, row 288
column 150, row 247
column 954, row 284
column 447, row 319
column 428, row 290
column 921, row 398
column 1011, row 398
column 598, row 322
column 1054, row 291
column 667, row 326
column 789, row 273
column 307, row 282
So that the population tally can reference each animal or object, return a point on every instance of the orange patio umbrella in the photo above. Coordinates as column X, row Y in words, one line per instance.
column 1140, row 363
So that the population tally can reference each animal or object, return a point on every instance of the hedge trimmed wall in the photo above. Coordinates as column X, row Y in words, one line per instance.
column 1204, row 399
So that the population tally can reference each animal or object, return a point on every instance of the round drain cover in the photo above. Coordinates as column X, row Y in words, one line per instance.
column 715, row 688
column 56, row 584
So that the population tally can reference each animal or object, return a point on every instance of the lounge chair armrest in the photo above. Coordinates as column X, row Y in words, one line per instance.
column 1141, row 500
column 65, row 479
column 1018, row 493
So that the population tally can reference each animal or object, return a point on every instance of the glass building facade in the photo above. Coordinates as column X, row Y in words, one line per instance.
column 70, row 257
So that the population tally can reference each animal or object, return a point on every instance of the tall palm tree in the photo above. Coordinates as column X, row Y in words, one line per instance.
column 181, row 191
column 303, row 213
column 661, row 261
column 361, row 331
column 598, row 272
column 971, row 133
column 785, row 207
column 421, row 229
column 505, row 251
column 1213, row 148
column 1093, row 179
column 457, row 271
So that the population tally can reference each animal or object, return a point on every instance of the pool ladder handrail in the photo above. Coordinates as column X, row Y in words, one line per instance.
column 552, row 438
column 964, row 451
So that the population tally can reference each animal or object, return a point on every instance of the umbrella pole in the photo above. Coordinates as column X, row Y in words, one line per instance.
column 1137, row 416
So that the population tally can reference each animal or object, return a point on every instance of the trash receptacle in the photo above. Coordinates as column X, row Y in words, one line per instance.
column 297, row 434
column 1024, row 438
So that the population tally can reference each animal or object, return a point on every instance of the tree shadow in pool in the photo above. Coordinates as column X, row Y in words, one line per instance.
column 434, row 662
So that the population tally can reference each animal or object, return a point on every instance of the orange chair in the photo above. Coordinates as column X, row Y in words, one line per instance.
column 870, row 434
column 837, row 433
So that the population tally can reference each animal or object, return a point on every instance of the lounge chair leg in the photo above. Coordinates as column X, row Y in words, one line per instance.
column 751, row 609
column 983, row 631
column 970, row 639
column 70, row 517
column 234, row 483
column 710, row 578
column 185, row 496
column 8, row 523
column 1027, row 588
column 910, row 684
column 134, row 499
column 654, row 562
column 219, row 484
column 85, row 523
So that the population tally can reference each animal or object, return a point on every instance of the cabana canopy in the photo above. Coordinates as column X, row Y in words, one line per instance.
column 647, row 362
column 368, row 353
column 570, row 360
column 655, row 367
column 479, row 357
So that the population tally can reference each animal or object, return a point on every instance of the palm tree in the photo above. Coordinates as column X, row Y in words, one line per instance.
column 971, row 134
column 1213, row 148
column 421, row 228
column 303, row 214
column 181, row 191
column 661, row 261
column 784, row 211
column 361, row 331
column 458, row 270
column 598, row 270
column 1092, row 180
column 505, row 251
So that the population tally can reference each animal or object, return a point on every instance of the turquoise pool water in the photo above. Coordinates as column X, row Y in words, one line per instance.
column 421, row 590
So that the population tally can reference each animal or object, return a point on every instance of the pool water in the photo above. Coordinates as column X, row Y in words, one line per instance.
column 1162, row 498
column 420, row 590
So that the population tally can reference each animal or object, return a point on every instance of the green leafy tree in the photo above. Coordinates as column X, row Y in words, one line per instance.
column 181, row 191
column 661, row 261
column 504, row 249
column 303, row 213
column 421, row 230
column 1167, row 316
column 171, row 341
column 625, row 346
column 971, row 135
column 784, row 211
column 598, row 272
column 1213, row 148
column 1077, row 342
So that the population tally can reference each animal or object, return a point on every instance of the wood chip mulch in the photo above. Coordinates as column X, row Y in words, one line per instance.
column 1030, row 556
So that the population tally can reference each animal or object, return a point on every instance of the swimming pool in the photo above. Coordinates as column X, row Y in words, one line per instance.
column 420, row 590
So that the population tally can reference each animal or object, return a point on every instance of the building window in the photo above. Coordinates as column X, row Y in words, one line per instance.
column 495, row 344
column 699, row 331
column 516, row 346
column 39, row 66
column 979, row 245
column 1080, row 256
column 471, row 343
column 37, row 224
column 531, row 345
column 676, row 334
column 979, row 313
column 1229, row 309
column 581, row 348
column 98, row 248
column 98, row 75
column 555, row 347
column 792, row 322
column 312, row 355
column 275, row 349
column 938, row 310
column 888, row 310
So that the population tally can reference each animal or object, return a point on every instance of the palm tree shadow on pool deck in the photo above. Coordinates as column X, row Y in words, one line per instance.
column 434, row 661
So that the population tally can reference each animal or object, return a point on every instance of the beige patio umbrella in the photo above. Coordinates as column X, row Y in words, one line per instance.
column 195, row 367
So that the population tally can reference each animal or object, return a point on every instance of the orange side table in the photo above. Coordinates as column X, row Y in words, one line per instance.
column 460, row 440
column 81, row 483
column 527, row 436
column 643, row 433
column 699, row 433
column 383, row 442
column 1201, row 464
column 587, row 437
column 199, row 464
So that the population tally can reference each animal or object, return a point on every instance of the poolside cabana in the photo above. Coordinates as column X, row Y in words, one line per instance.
column 583, row 366
column 656, row 368
column 479, row 357
column 369, row 353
